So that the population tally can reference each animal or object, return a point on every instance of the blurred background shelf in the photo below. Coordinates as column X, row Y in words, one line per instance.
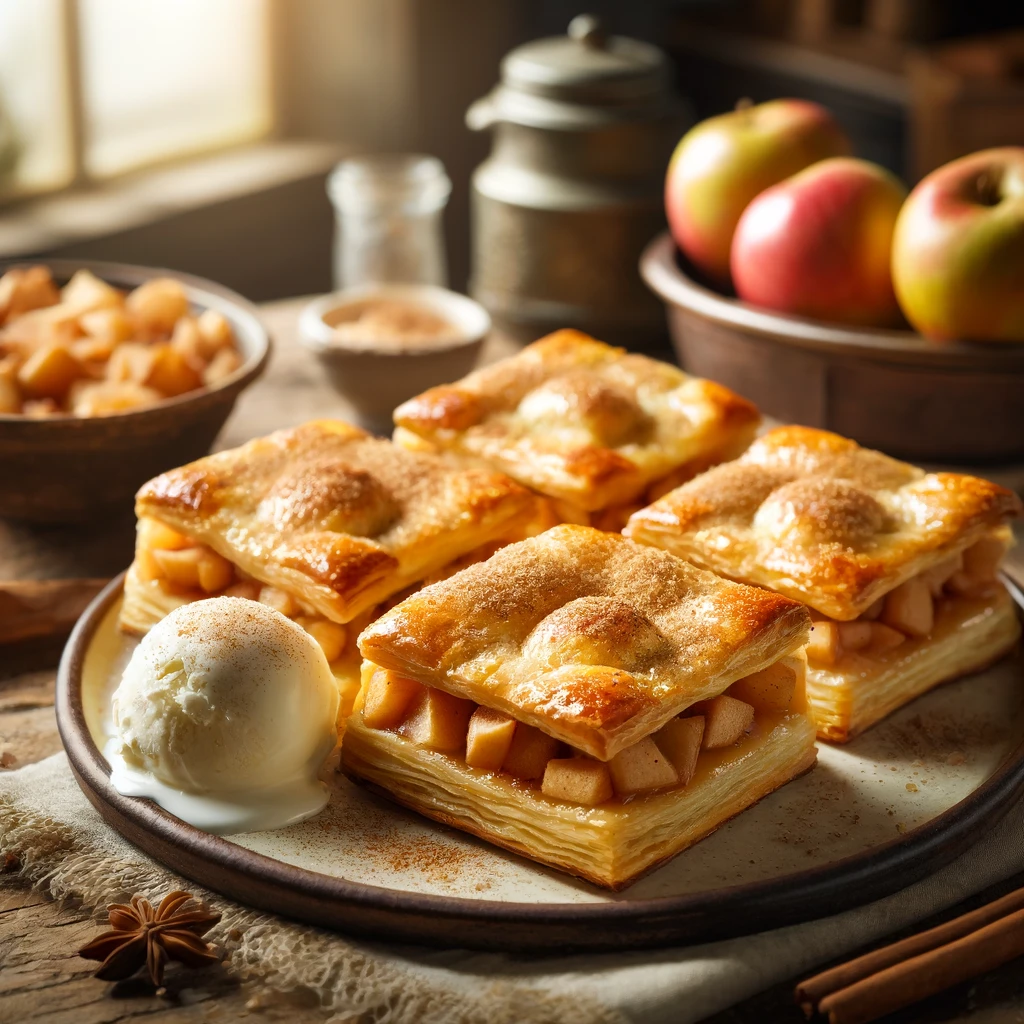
column 914, row 83
column 233, row 188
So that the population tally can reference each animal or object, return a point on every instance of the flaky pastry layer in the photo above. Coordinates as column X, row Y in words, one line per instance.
column 146, row 603
column 610, row 845
column 862, row 689
column 332, row 515
column 591, row 638
column 580, row 421
column 816, row 517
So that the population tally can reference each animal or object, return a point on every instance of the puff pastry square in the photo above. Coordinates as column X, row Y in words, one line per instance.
column 893, row 560
column 860, row 687
column 323, row 521
column 581, row 422
column 590, row 703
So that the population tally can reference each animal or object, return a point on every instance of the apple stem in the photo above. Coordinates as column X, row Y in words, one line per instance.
column 987, row 189
column 744, row 103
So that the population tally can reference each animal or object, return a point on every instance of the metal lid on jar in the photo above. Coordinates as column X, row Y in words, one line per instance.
column 580, row 80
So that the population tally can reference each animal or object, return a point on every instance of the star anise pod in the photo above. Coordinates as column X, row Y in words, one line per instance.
column 141, row 935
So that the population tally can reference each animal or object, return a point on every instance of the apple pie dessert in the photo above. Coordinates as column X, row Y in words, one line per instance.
column 323, row 522
column 597, row 430
column 587, row 702
column 898, row 566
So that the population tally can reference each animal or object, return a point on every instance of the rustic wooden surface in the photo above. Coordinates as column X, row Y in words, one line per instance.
column 41, row 976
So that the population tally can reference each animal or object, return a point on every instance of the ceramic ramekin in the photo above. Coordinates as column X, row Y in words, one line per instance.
column 374, row 380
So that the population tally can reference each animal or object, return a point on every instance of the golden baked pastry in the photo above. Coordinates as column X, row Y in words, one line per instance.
column 590, row 426
column 322, row 521
column 900, row 565
column 851, row 688
column 590, row 703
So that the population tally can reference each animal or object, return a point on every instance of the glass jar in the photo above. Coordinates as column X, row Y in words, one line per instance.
column 388, row 220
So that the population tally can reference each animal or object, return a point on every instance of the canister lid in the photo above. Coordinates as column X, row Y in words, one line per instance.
column 578, row 80
column 588, row 66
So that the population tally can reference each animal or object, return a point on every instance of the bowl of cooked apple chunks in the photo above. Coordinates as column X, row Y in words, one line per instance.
column 110, row 374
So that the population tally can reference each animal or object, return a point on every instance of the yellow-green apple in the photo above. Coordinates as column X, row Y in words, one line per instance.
column 818, row 244
column 723, row 162
column 958, row 252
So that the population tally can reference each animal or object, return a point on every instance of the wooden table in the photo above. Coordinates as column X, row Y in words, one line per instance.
column 41, row 976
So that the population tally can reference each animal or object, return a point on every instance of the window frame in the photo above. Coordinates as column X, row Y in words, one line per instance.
column 69, row 43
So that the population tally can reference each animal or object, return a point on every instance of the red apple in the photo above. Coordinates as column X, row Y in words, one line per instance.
column 723, row 162
column 958, row 252
column 818, row 244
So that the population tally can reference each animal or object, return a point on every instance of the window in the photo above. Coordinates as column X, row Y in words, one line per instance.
column 36, row 150
column 159, row 79
column 93, row 88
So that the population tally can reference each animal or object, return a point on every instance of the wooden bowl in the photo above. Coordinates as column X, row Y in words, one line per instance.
column 71, row 468
column 891, row 390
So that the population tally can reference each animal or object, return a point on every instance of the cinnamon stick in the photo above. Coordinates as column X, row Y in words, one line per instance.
column 810, row 992
column 38, row 608
column 924, row 975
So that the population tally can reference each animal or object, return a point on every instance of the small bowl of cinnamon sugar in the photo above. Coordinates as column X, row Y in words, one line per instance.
column 384, row 343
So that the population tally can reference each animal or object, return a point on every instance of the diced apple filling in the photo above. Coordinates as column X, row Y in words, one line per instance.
column 885, row 638
column 771, row 689
column 529, row 752
column 387, row 698
column 577, row 780
column 438, row 720
column 641, row 767
column 279, row 600
column 981, row 560
column 680, row 741
column 908, row 611
column 855, row 636
column 823, row 646
column 726, row 719
column 331, row 636
column 491, row 740
column 182, row 565
column 196, row 568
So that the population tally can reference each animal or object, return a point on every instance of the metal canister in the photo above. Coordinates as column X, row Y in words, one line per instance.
column 571, row 193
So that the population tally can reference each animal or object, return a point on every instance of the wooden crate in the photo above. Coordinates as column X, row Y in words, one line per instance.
column 878, row 21
column 964, row 97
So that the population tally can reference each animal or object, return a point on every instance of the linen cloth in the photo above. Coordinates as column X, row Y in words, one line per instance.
column 67, row 850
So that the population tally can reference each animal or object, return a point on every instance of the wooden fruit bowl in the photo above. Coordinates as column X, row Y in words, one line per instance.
column 891, row 390
column 71, row 468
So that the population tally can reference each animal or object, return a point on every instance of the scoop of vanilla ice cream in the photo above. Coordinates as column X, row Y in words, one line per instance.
column 226, row 695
